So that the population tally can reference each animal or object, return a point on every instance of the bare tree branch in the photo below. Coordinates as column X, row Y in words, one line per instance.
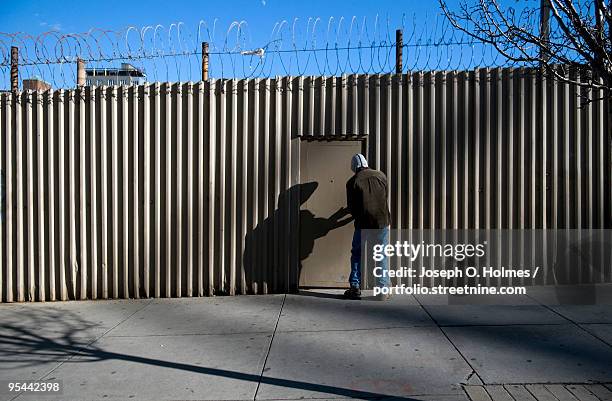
column 576, row 40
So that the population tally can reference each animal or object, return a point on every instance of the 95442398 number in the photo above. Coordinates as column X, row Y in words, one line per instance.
column 31, row 386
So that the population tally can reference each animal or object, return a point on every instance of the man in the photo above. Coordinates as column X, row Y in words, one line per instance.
column 367, row 198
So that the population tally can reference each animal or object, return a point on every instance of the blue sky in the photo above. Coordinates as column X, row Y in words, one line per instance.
column 38, row 16
column 63, row 16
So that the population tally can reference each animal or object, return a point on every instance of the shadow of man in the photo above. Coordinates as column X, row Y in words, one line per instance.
column 261, row 243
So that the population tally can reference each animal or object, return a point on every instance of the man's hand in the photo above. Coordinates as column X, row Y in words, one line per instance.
column 343, row 211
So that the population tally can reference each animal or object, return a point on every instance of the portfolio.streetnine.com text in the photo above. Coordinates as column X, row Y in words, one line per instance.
column 418, row 289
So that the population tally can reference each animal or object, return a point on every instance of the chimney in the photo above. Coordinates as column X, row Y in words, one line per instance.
column 14, row 68
column 80, row 72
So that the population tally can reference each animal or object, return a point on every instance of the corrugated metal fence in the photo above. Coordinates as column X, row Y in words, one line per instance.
column 168, row 190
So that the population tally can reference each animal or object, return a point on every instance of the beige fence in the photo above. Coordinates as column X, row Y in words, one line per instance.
column 168, row 190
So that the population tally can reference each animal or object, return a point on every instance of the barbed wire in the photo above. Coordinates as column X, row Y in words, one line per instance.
column 313, row 46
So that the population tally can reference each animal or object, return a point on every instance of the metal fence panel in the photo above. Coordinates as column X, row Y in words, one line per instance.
column 171, row 190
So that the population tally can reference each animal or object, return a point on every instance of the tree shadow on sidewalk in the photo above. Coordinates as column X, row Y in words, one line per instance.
column 21, row 345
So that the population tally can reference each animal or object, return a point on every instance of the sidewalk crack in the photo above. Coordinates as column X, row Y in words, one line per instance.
column 578, row 325
column 263, row 367
column 474, row 372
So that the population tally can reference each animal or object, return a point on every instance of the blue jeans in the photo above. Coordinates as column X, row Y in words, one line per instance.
column 380, row 236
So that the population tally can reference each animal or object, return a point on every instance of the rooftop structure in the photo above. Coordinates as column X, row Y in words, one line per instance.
column 127, row 74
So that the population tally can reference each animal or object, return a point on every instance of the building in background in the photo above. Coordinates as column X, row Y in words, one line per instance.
column 36, row 84
column 127, row 74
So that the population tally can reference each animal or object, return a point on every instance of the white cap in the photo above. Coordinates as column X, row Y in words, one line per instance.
column 358, row 161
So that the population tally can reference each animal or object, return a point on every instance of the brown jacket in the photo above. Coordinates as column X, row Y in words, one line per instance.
column 367, row 198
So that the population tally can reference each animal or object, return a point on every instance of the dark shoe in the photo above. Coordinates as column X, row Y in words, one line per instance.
column 352, row 293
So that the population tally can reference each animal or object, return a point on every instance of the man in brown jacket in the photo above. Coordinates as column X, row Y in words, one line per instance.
column 367, row 197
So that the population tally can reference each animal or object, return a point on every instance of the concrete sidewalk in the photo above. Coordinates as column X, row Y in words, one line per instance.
column 313, row 345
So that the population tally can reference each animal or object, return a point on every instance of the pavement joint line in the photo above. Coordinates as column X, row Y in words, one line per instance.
column 187, row 334
column 374, row 397
column 277, row 331
column 309, row 398
column 504, row 325
column 566, row 383
column 78, row 352
column 124, row 320
column 451, row 342
column 356, row 329
column 470, row 376
column 532, row 393
column 381, row 397
column 576, row 324
column 263, row 367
